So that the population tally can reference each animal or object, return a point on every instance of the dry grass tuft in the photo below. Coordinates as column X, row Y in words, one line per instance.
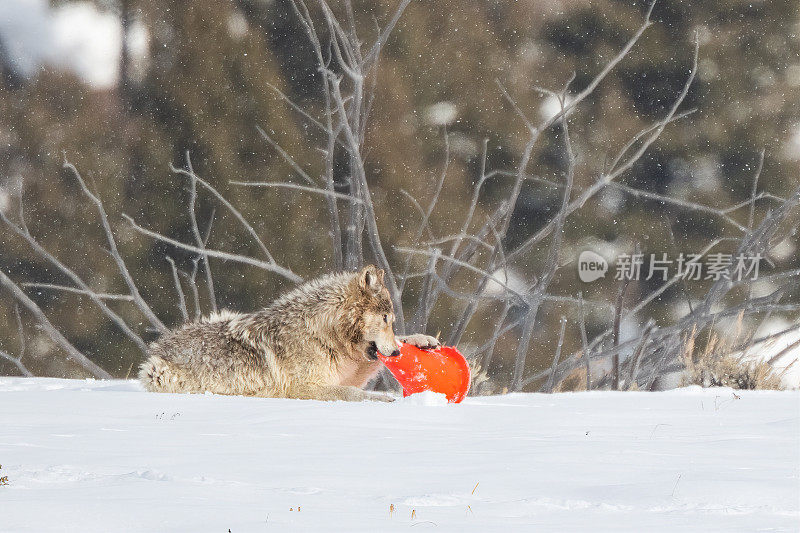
column 720, row 364
column 574, row 381
column 480, row 384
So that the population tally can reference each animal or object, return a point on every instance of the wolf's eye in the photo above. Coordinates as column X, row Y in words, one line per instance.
column 386, row 318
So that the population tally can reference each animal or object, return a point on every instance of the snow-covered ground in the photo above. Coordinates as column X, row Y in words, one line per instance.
column 91, row 456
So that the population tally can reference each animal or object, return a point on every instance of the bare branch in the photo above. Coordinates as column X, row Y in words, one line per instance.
column 123, row 269
column 600, row 304
column 538, row 291
column 423, row 311
column 369, row 210
column 488, row 349
column 201, row 244
column 72, row 352
column 288, row 158
column 235, row 212
column 642, row 133
column 474, row 202
column 500, row 218
column 585, row 343
column 297, row 108
column 752, row 200
column 497, row 262
column 191, row 279
column 637, row 354
column 755, row 189
column 21, row 206
column 617, row 170
column 415, row 203
column 790, row 347
column 64, row 288
column 460, row 237
column 20, row 333
column 294, row 186
column 654, row 133
column 692, row 206
column 426, row 215
column 374, row 52
column 552, row 381
column 178, row 289
column 615, row 371
column 570, row 107
column 463, row 264
column 520, row 113
column 237, row 258
column 77, row 280
column 332, row 133
column 17, row 361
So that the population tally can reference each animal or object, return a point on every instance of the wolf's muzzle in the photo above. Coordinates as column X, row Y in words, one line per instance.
column 372, row 352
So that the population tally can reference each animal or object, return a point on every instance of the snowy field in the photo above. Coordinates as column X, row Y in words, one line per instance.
column 89, row 456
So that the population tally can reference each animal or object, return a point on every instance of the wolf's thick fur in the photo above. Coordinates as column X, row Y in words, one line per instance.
column 319, row 341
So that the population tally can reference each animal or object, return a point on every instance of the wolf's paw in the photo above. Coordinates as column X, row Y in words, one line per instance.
column 425, row 342
column 380, row 397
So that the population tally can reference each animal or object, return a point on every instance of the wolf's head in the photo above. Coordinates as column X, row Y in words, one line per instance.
column 374, row 324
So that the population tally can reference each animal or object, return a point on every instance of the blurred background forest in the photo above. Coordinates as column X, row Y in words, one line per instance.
column 124, row 88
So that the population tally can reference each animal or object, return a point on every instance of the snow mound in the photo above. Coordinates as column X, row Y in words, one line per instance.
column 426, row 398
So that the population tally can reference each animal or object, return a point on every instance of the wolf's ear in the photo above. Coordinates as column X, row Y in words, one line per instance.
column 370, row 279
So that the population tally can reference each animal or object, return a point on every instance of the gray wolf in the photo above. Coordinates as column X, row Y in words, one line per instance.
column 319, row 341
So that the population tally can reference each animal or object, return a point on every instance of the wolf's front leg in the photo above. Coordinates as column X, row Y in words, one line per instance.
column 426, row 342
column 329, row 393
